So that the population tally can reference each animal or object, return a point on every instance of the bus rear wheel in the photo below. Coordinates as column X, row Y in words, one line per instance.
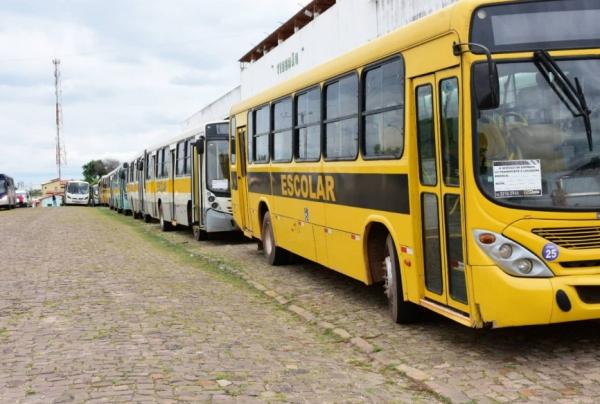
column 274, row 255
column 402, row 312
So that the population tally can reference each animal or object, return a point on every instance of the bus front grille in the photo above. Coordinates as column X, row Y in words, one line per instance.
column 576, row 238
column 589, row 294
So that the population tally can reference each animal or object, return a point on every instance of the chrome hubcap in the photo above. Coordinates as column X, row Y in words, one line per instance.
column 387, row 266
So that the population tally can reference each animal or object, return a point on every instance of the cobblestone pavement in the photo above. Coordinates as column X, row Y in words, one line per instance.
column 92, row 309
column 559, row 363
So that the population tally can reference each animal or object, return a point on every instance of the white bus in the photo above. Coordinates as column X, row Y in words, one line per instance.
column 76, row 193
column 7, row 192
column 186, row 181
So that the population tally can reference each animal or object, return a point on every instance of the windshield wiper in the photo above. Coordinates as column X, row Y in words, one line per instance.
column 570, row 94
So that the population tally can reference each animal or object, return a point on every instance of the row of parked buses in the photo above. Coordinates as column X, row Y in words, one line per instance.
column 184, row 181
column 454, row 160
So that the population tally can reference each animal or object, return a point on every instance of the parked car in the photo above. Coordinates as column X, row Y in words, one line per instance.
column 22, row 199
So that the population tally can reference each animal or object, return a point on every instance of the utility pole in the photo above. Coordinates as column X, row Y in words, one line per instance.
column 60, row 154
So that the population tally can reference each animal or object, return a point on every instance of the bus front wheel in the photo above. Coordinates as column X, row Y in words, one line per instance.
column 275, row 255
column 401, row 311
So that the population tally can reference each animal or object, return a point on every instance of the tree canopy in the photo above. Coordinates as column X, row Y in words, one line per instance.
column 94, row 169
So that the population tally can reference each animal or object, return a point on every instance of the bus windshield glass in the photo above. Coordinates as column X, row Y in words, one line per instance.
column 78, row 188
column 217, row 166
column 551, row 24
column 2, row 187
column 533, row 150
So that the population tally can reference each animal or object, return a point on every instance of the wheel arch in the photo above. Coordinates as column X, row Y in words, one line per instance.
column 376, row 231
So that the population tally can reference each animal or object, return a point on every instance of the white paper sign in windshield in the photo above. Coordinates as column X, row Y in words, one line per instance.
column 220, row 184
column 517, row 178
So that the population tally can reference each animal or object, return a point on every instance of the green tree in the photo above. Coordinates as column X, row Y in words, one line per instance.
column 94, row 169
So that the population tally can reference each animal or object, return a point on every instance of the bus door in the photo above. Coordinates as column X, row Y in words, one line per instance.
column 171, row 183
column 197, row 182
column 437, row 104
column 242, row 182
column 140, row 183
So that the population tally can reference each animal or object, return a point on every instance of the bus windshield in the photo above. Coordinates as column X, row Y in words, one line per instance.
column 217, row 166
column 78, row 188
column 533, row 151
column 2, row 187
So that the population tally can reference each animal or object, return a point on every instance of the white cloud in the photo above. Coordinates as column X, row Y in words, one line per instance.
column 132, row 72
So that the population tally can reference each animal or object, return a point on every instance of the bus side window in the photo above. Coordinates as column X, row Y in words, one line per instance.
column 260, row 136
column 341, row 123
column 282, row 130
column 180, row 158
column 232, row 128
column 308, row 126
column 383, row 118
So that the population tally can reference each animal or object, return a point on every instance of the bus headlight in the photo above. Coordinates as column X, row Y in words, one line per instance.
column 511, row 257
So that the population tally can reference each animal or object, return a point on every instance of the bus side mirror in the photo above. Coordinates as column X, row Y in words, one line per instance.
column 125, row 165
column 200, row 146
column 140, row 165
column 486, row 84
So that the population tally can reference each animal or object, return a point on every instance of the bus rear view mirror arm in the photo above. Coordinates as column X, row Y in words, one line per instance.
column 486, row 82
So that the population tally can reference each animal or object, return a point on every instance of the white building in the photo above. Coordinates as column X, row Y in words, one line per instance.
column 321, row 31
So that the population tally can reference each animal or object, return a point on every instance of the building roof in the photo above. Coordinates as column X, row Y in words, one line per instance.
column 287, row 29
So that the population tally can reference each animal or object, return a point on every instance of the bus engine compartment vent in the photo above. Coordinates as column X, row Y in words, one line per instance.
column 589, row 294
column 577, row 238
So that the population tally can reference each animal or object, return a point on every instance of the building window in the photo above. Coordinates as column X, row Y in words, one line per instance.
column 308, row 125
column 341, row 123
column 282, row 130
column 383, row 116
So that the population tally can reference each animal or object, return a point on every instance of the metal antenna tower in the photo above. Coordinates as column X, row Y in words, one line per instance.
column 60, row 150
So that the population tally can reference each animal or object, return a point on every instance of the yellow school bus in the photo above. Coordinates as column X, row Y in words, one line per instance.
column 456, row 160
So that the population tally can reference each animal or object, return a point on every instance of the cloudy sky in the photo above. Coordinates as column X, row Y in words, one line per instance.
column 132, row 72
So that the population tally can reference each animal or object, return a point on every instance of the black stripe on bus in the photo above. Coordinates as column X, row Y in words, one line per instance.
column 385, row 192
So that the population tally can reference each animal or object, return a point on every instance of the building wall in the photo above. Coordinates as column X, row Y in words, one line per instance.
column 53, row 187
column 343, row 27
column 215, row 111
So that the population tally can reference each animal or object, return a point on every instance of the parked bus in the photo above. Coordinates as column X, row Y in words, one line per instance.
column 119, row 189
column 95, row 195
column 135, row 186
column 104, row 190
column 456, row 160
column 186, row 181
column 76, row 193
column 7, row 192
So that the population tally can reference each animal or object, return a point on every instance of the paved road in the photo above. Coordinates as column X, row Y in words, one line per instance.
column 92, row 309
column 558, row 363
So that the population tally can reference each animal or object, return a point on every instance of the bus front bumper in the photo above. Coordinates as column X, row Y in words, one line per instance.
column 505, row 301
column 219, row 221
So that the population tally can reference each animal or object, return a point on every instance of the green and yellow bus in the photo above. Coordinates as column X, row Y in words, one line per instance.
column 456, row 160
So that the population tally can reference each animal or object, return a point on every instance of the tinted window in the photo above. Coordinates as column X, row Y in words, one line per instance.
column 341, row 123
column 282, row 130
column 260, row 137
column 426, row 136
column 308, row 125
column 449, row 129
column 384, row 110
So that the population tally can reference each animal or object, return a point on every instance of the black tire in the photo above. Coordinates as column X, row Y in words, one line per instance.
column 199, row 235
column 164, row 225
column 402, row 312
column 147, row 218
column 275, row 255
